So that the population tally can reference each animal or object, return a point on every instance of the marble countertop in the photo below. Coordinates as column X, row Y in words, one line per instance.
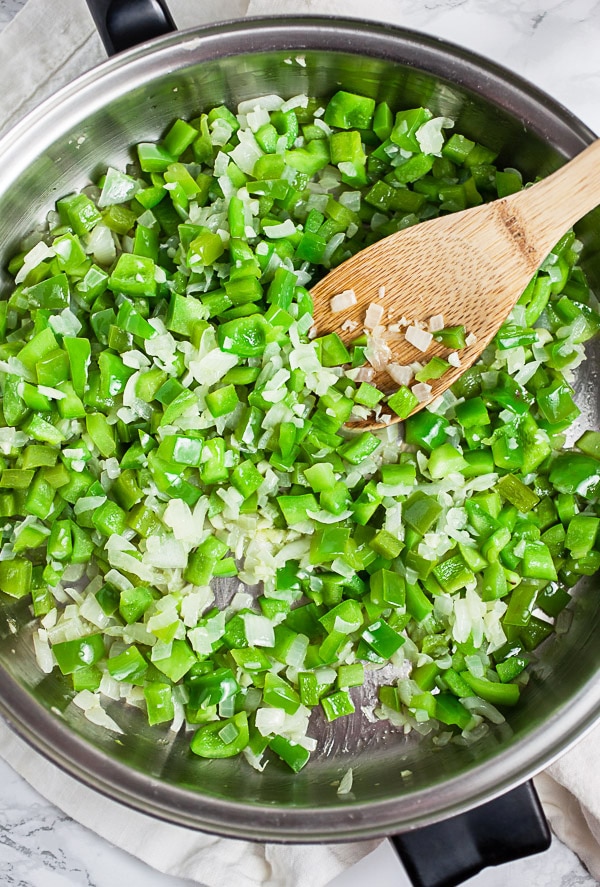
column 555, row 44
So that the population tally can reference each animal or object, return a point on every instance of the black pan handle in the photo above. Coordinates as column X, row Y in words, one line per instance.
column 447, row 853
column 125, row 23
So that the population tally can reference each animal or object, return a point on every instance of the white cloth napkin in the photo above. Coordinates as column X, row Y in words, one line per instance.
column 570, row 794
column 181, row 852
column 49, row 43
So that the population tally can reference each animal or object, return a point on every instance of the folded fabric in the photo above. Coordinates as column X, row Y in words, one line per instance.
column 207, row 859
column 570, row 793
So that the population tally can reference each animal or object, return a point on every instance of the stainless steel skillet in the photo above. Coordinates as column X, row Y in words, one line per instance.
column 56, row 149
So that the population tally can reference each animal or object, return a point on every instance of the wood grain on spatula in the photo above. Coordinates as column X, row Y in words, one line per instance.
column 471, row 267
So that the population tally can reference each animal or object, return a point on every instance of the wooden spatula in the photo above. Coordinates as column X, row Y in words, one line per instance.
column 471, row 267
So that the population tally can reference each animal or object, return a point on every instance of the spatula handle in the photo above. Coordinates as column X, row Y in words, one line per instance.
column 553, row 205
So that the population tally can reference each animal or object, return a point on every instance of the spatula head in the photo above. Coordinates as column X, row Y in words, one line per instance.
column 470, row 267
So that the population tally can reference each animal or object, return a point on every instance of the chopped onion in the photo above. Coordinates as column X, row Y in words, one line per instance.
column 65, row 323
column 259, row 630
column 284, row 229
column 98, row 716
column 402, row 375
column 269, row 720
column 43, row 653
column 342, row 301
column 269, row 102
column 429, row 135
column 345, row 785
column 117, row 188
column 422, row 391
column 374, row 315
column 478, row 706
column 101, row 245
column 36, row 255
column 421, row 339
column 297, row 101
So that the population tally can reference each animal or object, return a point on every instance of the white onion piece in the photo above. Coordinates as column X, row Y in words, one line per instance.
column 259, row 630
column 345, row 785
column 421, row 339
column 374, row 315
column 342, row 301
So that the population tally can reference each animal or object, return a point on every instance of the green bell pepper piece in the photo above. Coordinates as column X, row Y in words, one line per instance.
column 222, row 739
column 575, row 473
column 293, row 754
column 492, row 691
column 134, row 276
column 16, row 577
column 133, row 603
column 403, row 402
column 211, row 688
column 159, row 702
column 128, row 666
column 78, row 653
